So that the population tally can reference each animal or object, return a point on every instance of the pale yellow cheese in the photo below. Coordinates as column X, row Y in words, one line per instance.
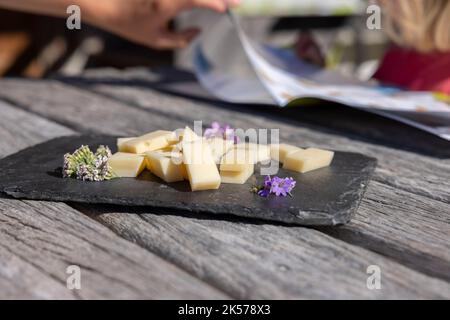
column 237, row 177
column 189, row 135
column 167, row 149
column 167, row 166
column 127, row 165
column 120, row 143
column 237, row 159
column 148, row 142
column 261, row 151
column 308, row 160
column 278, row 152
column 201, row 169
column 219, row 147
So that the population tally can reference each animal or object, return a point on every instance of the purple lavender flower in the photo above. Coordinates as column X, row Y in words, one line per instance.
column 264, row 192
column 282, row 187
column 214, row 131
column 277, row 186
column 224, row 132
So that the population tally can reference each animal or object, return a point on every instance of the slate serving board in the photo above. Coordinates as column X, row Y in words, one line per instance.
column 327, row 196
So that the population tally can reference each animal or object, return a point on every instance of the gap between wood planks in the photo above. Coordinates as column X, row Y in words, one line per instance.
column 356, row 243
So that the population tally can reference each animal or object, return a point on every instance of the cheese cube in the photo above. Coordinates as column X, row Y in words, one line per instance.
column 261, row 151
column 308, row 160
column 120, row 143
column 237, row 177
column 166, row 166
column 127, row 165
column 200, row 166
column 278, row 152
column 219, row 147
column 148, row 142
column 237, row 159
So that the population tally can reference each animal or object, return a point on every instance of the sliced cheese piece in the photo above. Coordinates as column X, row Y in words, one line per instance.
column 219, row 147
column 237, row 177
column 120, row 143
column 127, row 165
column 262, row 151
column 201, row 169
column 308, row 160
column 278, row 152
column 148, row 142
column 167, row 166
column 237, row 159
column 167, row 149
column 175, row 137
column 189, row 135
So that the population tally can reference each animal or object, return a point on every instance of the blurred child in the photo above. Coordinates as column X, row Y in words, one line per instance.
column 420, row 60
column 420, row 56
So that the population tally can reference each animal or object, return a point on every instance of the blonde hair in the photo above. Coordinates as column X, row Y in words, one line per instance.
column 423, row 25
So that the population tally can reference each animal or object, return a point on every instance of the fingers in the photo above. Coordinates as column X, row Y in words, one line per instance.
column 175, row 40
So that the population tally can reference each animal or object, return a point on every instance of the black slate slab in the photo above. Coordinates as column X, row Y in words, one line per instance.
column 326, row 196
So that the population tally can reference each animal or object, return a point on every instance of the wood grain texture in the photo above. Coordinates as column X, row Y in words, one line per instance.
column 39, row 240
column 413, row 189
column 19, row 129
column 251, row 260
column 111, row 267
column 147, row 103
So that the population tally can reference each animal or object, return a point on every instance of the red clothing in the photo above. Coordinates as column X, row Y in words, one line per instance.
column 415, row 71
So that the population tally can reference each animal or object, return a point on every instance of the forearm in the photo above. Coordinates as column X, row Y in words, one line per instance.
column 143, row 21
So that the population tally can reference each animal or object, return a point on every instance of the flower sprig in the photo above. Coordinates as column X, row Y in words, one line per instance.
column 222, row 131
column 280, row 187
column 85, row 165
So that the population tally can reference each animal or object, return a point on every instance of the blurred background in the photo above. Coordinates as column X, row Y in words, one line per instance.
column 37, row 46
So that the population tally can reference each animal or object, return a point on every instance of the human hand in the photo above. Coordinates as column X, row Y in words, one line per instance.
column 147, row 21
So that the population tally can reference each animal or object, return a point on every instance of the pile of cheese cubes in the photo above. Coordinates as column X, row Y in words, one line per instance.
column 206, row 163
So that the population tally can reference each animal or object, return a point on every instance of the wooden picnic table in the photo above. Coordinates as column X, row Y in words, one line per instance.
column 402, row 225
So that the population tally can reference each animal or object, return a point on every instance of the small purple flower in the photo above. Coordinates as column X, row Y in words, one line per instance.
column 277, row 186
column 282, row 187
column 224, row 132
column 214, row 131
column 264, row 192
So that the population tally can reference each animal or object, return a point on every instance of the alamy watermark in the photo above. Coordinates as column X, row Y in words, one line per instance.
column 73, row 281
column 374, row 279
column 73, row 22
column 373, row 21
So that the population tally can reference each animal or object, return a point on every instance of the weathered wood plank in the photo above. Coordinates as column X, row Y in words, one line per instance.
column 52, row 236
column 404, row 226
column 261, row 261
column 310, row 136
column 71, row 107
column 19, row 129
column 19, row 279
column 39, row 240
